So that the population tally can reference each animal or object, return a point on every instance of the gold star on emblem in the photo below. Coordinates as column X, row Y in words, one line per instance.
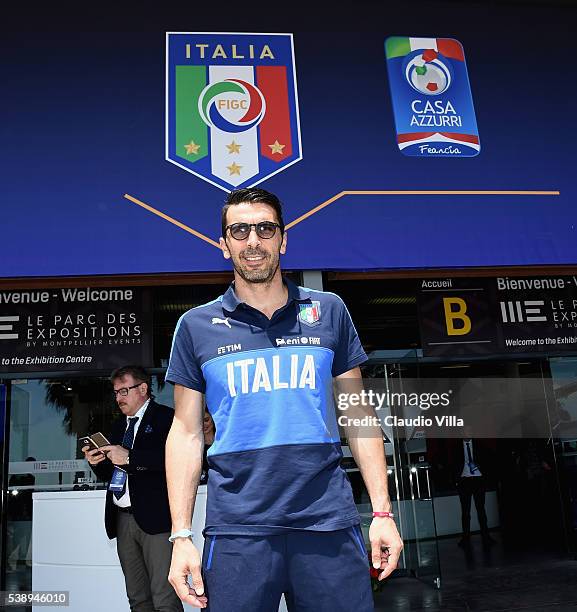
column 234, row 169
column 233, row 147
column 276, row 147
column 192, row 148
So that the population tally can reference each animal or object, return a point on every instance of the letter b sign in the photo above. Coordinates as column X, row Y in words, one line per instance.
column 456, row 319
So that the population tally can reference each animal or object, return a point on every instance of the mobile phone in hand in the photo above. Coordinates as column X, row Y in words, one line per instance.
column 94, row 441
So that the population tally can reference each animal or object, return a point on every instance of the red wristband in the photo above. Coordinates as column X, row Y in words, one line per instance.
column 383, row 514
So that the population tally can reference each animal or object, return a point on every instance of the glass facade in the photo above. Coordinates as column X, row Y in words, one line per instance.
column 47, row 414
column 527, row 471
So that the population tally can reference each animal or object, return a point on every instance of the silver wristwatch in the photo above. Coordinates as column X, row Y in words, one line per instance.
column 183, row 533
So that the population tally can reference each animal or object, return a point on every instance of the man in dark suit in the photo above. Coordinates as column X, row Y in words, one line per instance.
column 471, row 463
column 137, row 512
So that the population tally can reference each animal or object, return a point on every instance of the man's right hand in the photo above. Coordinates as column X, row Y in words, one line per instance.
column 186, row 562
column 94, row 456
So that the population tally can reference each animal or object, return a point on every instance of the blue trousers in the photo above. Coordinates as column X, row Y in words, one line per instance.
column 318, row 571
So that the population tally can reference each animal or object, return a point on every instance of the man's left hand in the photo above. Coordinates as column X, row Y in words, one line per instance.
column 383, row 534
column 117, row 454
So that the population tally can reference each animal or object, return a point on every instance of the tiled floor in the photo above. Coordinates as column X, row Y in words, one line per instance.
column 18, row 579
column 488, row 580
column 475, row 580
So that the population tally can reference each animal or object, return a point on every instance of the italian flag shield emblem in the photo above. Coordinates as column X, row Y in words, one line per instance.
column 231, row 106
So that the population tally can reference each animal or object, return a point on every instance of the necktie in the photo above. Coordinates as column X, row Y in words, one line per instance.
column 472, row 466
column 128, row 439
column 127, row 442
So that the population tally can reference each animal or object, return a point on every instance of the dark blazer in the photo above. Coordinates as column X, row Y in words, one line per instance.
column 483, row 455
column 146, row 473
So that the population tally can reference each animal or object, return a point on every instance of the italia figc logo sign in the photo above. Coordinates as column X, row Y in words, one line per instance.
column 232, row 116
column 432, row 102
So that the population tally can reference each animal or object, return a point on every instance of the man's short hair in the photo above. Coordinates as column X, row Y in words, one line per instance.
column 252, row 195
column 137, row 372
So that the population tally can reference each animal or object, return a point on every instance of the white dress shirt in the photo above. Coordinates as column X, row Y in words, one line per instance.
column 469, row 470
column 124, row 501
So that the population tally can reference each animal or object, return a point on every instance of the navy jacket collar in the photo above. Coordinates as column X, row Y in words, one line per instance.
column 230, row 301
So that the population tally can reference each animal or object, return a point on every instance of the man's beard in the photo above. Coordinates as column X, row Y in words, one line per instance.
column 262, row 275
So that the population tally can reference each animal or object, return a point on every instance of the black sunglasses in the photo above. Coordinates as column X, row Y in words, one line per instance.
column 264, row 229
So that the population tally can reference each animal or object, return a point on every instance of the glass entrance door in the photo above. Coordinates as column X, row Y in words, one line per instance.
column 409, row 478
column 415, row 494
